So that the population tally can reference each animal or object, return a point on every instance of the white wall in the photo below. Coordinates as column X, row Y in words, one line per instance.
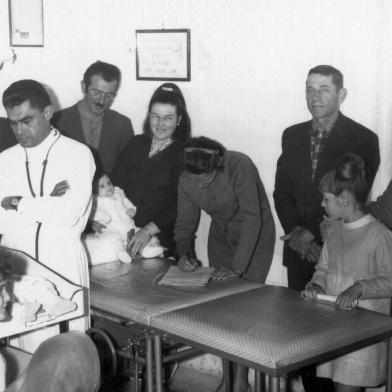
column 249, row 63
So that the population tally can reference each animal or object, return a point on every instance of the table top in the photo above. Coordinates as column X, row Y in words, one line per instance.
column 272, row 329
column 131, row 291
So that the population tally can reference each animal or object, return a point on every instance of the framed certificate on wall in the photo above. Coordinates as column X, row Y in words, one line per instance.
column 26, row 22
column 163, row 54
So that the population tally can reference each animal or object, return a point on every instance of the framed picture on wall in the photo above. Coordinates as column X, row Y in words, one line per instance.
column 26, row 22
column 163, row 54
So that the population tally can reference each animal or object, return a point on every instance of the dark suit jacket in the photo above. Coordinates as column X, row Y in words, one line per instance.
column 297, row 198
column 116, row 132
column 7, row 137
column 151, row 184
column 382, row 207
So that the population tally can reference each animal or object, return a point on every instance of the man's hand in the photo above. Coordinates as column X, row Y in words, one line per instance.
column 299, row 240
column 188, row 263
column 348, row 296
column 224, row 273
column 60, row 189
column 313, row 251
column 11, row 202
column 312, row 289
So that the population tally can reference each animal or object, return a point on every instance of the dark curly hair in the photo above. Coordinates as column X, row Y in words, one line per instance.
column 170, row 93
column 203, row 155
column 26, row 90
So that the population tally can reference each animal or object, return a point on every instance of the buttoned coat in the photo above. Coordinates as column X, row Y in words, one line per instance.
column 242, row 231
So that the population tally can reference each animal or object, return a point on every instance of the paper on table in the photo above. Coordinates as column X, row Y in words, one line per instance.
column 197, row 278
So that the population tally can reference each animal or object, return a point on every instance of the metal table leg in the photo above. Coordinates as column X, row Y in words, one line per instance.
column 388, row 385
column 259, row 381
column 227, row 374
column 273, row 384
column 136, row 381
column 158, row 362
column 149, row 363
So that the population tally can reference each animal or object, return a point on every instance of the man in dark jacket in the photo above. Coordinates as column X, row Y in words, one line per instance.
column 309, row 150
column 92, row 122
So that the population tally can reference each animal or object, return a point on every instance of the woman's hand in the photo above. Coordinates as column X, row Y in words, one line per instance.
column 311, row 291
column 349, row 296
column 224, row 273
column 187, row 263
column 138, row 241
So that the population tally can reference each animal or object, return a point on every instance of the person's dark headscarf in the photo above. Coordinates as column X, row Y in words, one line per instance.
column 203, row 155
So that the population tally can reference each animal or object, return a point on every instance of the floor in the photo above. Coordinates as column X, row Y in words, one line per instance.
column 184, row 380
column 187, row 379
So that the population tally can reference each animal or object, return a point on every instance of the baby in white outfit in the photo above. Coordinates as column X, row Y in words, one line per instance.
column 112, row 209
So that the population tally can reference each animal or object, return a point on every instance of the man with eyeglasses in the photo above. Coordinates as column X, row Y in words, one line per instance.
column 92, row 122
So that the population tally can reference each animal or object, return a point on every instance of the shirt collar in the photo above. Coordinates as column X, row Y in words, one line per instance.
column 157, row 146
column 314, row 130
column 326, row 131
column 366, row 219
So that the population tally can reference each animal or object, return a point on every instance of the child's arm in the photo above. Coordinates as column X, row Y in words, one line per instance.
column 99, row 213
column 318, row 283
column 129, row 206
column 380, row 285
column 311, row 291
column 322, row 269
column 347, row 297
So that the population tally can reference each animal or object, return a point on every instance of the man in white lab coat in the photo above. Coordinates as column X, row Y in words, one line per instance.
column 45, row 186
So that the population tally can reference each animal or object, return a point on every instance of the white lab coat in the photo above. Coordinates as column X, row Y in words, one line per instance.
column 63, row 218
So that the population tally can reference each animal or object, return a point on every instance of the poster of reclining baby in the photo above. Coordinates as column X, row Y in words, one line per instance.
column 33, row 296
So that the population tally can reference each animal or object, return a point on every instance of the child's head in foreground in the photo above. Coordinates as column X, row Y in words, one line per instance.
column 5, row 277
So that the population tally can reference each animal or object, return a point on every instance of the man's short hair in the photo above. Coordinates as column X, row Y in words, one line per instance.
column 328, row 70
column 26, row 90
column 108, row 72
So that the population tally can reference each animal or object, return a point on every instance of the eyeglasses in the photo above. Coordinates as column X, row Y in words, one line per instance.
column 99, row 94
